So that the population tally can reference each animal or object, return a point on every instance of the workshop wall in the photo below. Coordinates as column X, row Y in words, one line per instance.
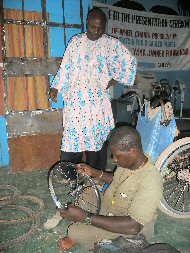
column 34, row 35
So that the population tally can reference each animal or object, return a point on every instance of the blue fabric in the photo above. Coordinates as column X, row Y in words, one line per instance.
column 154, row 136
column 4, row 150
column 106, row 185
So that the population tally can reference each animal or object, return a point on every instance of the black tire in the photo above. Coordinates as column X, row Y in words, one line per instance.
column 174, row 166
column 8, row 198
column 23, row 238
column 37, row 214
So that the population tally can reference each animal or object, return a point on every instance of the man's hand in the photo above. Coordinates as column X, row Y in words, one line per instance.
column 73, row 213
column 85, row 169
column 53, row 94
column 112, row 82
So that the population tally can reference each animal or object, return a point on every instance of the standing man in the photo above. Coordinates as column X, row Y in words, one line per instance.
column 92, row 62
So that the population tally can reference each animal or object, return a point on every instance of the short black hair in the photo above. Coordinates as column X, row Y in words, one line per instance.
column 97, row 11
column 124, row 138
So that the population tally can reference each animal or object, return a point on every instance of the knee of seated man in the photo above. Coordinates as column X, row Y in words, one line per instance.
column 148, row 229
column 76, row 231
column 80, row 233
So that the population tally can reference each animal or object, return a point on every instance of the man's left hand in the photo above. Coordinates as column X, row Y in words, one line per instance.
column 112, row 82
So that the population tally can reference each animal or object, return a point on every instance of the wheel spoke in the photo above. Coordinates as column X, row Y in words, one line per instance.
column 174, row 164
column 171, row 192
column 72, row 189
column 170, row 183
column 181, row 197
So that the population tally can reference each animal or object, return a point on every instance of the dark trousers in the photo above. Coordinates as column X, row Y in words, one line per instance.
column 96, row 160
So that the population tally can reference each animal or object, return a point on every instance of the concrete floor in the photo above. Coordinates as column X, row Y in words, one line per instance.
column 167, row 230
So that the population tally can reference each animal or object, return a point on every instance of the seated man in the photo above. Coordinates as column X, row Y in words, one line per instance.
column 130, row 202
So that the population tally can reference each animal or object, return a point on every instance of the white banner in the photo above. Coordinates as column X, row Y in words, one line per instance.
column 162, row 41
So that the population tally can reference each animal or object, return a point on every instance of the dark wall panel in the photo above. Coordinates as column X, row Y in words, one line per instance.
column 36, row 152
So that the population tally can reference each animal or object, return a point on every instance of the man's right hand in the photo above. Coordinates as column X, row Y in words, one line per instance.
column 85, row 169
column 53, row 94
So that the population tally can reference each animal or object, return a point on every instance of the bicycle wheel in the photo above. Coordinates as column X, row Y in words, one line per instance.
column 174, row 166
column 78, row 190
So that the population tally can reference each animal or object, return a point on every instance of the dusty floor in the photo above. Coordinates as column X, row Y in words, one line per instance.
column 167, row 230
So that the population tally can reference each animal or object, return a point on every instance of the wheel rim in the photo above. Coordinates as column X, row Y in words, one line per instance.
column 175, row 170
column 73, row 191
column 63, row 190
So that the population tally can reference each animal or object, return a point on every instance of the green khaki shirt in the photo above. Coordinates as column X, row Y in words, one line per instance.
column 136, row 193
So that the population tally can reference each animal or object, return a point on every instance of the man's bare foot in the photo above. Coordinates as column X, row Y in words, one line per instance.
column 65, row 244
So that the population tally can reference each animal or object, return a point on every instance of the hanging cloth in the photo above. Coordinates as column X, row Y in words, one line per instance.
column 157, row 128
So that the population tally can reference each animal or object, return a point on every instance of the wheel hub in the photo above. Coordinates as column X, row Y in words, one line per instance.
column 184, row 175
